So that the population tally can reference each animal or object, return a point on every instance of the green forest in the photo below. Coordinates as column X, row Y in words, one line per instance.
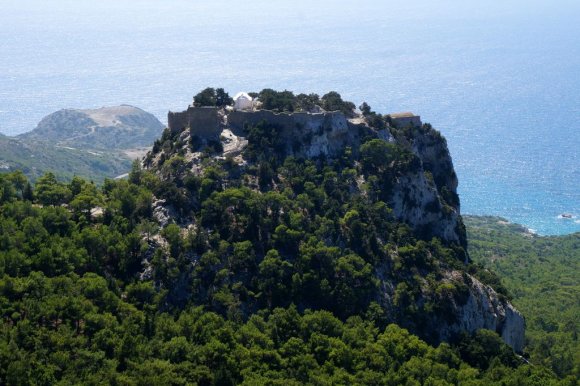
column 543, row 276
column 74, row 312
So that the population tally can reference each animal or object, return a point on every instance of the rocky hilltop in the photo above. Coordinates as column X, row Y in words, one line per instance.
column 96, row 144
column 425, row 197
column 375, row 192
column 115, row 127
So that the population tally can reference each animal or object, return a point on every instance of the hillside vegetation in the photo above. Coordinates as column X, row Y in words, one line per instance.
column 543, row 276
column 77, row 308
column 95, row 144
column 36, row 158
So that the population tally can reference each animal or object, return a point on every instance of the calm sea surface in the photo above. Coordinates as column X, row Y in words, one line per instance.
column 501, row 81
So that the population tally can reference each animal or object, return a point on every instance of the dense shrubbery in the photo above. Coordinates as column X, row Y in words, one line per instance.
column 277, row 100
column 74, row 310
column 286, row 101
column 210, row 97
column 332, row 101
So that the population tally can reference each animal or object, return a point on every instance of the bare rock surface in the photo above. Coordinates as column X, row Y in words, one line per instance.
column 484, row 309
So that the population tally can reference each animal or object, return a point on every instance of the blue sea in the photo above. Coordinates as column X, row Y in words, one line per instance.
column 501, row 80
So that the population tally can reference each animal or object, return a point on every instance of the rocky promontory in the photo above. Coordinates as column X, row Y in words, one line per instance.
column 413, row 238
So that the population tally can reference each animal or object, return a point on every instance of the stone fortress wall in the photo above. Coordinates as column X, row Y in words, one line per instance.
column 326, row 132
column 315, row 133
column 203, row 121
column 308, row 134
column 400, row 120
column 288, row 123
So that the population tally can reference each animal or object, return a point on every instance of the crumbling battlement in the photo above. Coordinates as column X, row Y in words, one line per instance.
column 288, row 123
column 202, row 121
column 205, row 122
column 400, row 120
column 307, row 134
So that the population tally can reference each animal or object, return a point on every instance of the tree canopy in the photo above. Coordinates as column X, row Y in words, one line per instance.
column 210, row 97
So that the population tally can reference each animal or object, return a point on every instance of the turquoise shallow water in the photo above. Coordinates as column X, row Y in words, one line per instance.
column 502, row 82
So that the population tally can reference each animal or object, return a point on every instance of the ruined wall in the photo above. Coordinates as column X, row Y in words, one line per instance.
column 237, row 120
column 304, row 133
column 399, row 122
column 177, row 121
column 202, row 121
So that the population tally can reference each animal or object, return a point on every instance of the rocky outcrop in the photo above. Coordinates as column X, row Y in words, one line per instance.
column 429, row 205
column 422, row 194
column 163, row 214
column 443, row 212
column 416, row 201
column 484, row 309
column 431, row 147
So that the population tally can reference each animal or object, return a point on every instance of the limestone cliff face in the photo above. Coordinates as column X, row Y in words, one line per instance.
column 431, row 147
column 441, row 209
column 417, row 202
column 484, row 309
